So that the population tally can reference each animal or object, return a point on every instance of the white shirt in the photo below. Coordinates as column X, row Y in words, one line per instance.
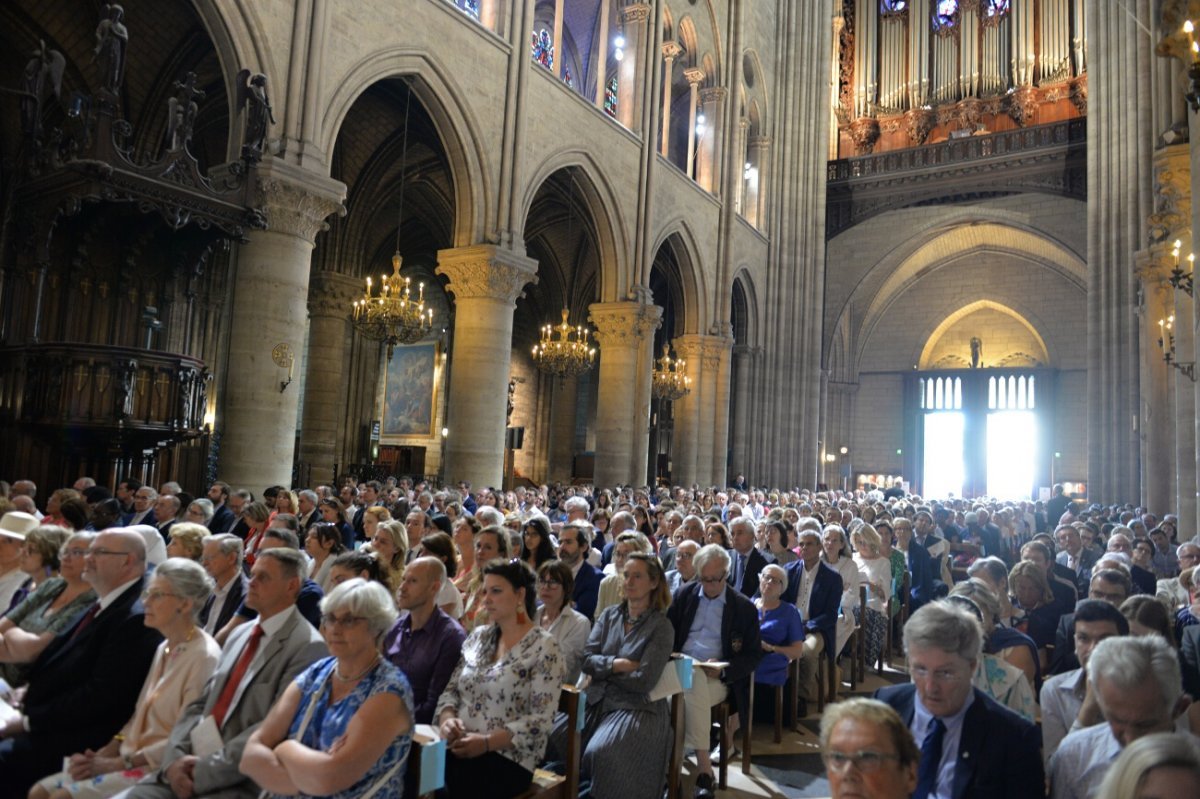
column 218, row 604
column 806, row 586
column 1084, row 757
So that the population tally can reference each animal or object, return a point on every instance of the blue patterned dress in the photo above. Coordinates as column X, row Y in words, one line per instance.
column 329, row 722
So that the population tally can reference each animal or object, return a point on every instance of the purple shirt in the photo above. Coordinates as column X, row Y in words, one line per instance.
column 426, row 656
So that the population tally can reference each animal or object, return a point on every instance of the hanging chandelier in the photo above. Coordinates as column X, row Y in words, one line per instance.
column 671, row 381
column 393, row 316
column 564, row 351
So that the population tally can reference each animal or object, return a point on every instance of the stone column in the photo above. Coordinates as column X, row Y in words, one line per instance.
column 259, row 420
column 695, row 77
column 743, row 361
column 601, row 48
column 687, row 462
column 330, row 297
column 624, row 331
column 670, row 51
column 721, row 348
column 1185, row 411
column 559, row 51
column 1157, row 417
column 634, row 20
column 708, row 170
column 485, row 280
column 563, row 400
column 740, row 137
column 489, row 15
column 710, row 408
column 760, row 156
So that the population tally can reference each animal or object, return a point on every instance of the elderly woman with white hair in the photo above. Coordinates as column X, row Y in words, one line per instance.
column 781, row 630
column 1158, row 765
column 876, row 572
column 344, row 727
column 183, row 663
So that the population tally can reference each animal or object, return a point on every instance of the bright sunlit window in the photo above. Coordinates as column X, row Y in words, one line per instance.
column 944, row 472
column 1012, row 453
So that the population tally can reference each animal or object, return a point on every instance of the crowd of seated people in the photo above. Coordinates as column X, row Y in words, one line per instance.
column 156, row 643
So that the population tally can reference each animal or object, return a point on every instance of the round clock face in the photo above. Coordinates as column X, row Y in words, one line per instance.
column 282, row 354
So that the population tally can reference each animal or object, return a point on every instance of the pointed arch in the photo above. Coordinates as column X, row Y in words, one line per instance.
column 678, row 235
column 931, row 342
column 743, row 284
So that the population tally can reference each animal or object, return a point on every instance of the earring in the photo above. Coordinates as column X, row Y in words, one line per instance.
column 521, row 617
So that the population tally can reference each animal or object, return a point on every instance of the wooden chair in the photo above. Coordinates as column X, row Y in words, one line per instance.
column 899, row 598
column 721, row 714
column 546, row 784
column 858, row 642
column 675, row 766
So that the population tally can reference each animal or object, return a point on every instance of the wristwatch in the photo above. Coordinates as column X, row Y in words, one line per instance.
column 128, row 761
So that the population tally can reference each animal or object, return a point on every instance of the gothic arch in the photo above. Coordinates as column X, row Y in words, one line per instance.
column 743, row 282
column 679, row 237
column 925, row 362
column 447, row 106
column 241, row 43
column 600, row 200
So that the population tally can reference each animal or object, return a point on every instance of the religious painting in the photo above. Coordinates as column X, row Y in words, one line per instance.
column 410, row 391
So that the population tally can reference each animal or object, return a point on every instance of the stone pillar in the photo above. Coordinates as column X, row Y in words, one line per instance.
column 760, row 156
column 670, row 51
column 743, row 361
column 559, row 51
column 1185, row 412
column 694, row 78
column 563, row 400
column 602, row 49
column 489, row 15
column 625, row 332
column 330, row 297
column 1157, row 417
column 708, row 169
column 740, row 137
column 687, row 463
column 722, row 350
column 634, row 20
column 485, row 281
column 259, row 420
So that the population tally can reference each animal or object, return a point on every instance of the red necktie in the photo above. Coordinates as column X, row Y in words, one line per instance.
column 235, row 678
column 85, row 620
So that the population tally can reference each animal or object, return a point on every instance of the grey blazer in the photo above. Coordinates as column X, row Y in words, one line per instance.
column 296, row 646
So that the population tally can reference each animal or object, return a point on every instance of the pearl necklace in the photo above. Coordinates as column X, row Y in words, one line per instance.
column 338, row 673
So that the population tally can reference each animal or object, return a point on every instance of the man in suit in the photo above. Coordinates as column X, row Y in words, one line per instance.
column 309, row 514
column 574, row 541
column 1057, row 506
column 258, row 662
column 223, row 519
column 369, row 497
column 815, row 588
column 1107, row 585
column 85, row 685
column 143, row 508
column 1189, row 648
column 222, row 559
column 1073, row 555
column 745, row 560
column 713, row 622
column 166, row 513
column 971, row 746
column 920, row 565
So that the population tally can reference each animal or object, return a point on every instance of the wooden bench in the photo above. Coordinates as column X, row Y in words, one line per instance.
column 546, row 784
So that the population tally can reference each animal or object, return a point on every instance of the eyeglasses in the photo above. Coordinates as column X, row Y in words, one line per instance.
column 771, row 579
column 938, row 675
column 865, row 761
column 549, row 583
column 73, row 553
column 711, row 580
column 343, row 622
column 157, row 595
column 98, row 552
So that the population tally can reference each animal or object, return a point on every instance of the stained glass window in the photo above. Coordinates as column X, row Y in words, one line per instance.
column 996, row 8
column 468, row 7
column 567, row 78
column 542, row 48
column 892, row 6
column 610, row 98
column 945, row 14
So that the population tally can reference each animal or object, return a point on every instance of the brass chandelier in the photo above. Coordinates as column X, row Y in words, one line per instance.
column 671, row 381
column 564, row 351
column 393, row 316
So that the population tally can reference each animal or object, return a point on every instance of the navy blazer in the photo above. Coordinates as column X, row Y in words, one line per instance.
column 1083, row 571
column 233, row 601
column 587, row 589
column 741, row 646
column 999, row 754
column 755, row 562
column 222, row 520
column 82, row 690
column 823, row 604
column 920, row 569
column 1189, row 648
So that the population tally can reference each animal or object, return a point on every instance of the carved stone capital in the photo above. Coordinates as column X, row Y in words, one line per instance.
column 694, row 75
column 1023, row 105
column 715, row 348
column 333, row 294
column 1079, row 94
column 759, row 143
column 919, row 122
column 624, row 324
column 1172, row 215
column 671, row 50
column 747, row 351
column 864, row 131
column 713, row 94
column 296, row 201
column 1171, row 16
column 485, row 271
column 635, row 12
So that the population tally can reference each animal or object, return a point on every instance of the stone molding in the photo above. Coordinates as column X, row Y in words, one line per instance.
column 713, row 94
column 635, row 12
column 671, row 50
column 1172, row 217
column 297, row 202
column 623, row 324
column 333, row 294
column 486, row 271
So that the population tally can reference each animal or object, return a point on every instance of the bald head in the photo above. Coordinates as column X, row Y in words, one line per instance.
column 621, row 522
column 116, row 556
column 24, row 503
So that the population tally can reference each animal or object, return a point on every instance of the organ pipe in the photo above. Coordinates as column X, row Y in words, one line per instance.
column 918, row 48
column 968, row 71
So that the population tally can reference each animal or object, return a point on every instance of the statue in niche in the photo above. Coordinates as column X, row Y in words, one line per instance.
column 112, row 40
column 181, row 113
column 976, row 351
column 252, row 98
column 512, row 393
column 43, row 78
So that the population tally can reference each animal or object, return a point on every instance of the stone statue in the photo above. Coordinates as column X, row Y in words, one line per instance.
column 512, row 393
column 181, row 113
column 252, row 98
column 43, row 78
column 112, row 39
column 976, row 351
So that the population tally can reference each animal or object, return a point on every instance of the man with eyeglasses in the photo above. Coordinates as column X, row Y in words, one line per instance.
column 868, row 752
column 1169, row 590
column 222, row 559
column 971, row 746
column 425, row 643
column 143, row 508
column 257, row 663
column 1111, row 585
column 85, row 684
